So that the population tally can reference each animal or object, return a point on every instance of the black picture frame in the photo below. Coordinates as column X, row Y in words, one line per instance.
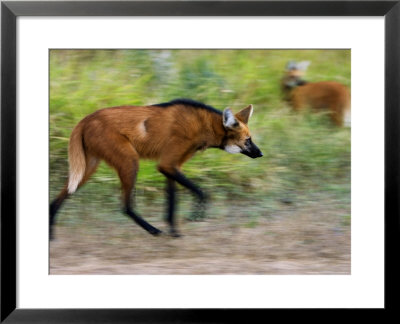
column 11, row 10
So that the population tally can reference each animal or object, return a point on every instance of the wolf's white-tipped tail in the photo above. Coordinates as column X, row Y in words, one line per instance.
column 76, row 158
column 74, row 180
column 347, row 118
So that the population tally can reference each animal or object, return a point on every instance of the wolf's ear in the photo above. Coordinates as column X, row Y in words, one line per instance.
column 302, row 66
column 245, row 114
column 291, row 65
column 228, row 119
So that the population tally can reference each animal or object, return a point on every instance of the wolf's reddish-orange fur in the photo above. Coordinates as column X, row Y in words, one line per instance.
column 169, row 133
column 331, row 96
column 122, row 135
column 323, row 95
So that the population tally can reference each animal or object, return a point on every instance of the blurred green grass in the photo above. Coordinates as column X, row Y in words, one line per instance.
column 303, row 153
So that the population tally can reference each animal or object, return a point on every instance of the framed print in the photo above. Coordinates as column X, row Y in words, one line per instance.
column 306, row 217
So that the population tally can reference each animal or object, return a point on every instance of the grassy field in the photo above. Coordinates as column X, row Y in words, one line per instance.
column 306, row 164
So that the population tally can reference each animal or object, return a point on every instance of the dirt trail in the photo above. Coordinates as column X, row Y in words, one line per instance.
column 307, row 240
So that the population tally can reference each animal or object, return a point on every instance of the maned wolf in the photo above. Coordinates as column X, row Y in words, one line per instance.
column 332, row 96
column 170, row 133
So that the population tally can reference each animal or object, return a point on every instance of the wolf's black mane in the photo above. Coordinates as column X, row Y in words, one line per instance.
column 188, row 102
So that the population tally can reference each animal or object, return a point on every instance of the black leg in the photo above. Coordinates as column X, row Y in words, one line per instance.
column 141, row 222
column 127, row 171
column 181, row 179
column 54, row 207
column 177, row 176
column 199, row 211
column 171, row 196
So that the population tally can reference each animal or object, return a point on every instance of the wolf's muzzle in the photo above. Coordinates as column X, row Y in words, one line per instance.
column 251, row 150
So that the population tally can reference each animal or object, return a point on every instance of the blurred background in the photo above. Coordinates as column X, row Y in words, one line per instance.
column 285, row 213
